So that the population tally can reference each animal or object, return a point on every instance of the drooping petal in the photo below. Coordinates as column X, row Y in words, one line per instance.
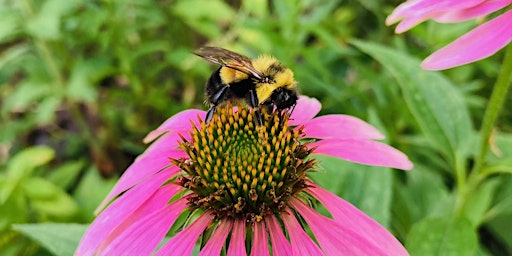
column 305, row 110
column 145, row 234
column 214, row 246
column 414, row 12
column 353, row 219
column 237, row 242
column 183, row 242
column 476, row 11
column 301, row 243
column 139, row 171
column 126, row 205
column 260, row 245
column 178, row 122
column 363, row 151
column 334, row 239
column 477, row 44
column 280, row 245
column 341, row 127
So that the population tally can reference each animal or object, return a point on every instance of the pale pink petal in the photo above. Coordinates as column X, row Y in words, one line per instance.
column 477, row 44
column 214, row 246
column 301, row 243
column 305, row 110
column 237, row 242
column 178, row 122
column 183, row 242
column 145, row 234
column 280, row 245
column 476, row 11
column 341, row 127
column 353, row 219
column 260, row 245
column 414, row 12
column 335, row 239
column 137, row 172
column 363, row 151
column 133, row 200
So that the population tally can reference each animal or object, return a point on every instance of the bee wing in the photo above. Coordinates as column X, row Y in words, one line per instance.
column 229, row 59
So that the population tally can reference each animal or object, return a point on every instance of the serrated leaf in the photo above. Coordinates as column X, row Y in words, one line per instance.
column 437, row 106
column 445, row 235
column 59, row 239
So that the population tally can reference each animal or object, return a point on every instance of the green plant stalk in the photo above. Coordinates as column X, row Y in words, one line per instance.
column 494, row 107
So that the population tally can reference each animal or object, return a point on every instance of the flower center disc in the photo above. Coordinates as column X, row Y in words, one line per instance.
column 240, row 170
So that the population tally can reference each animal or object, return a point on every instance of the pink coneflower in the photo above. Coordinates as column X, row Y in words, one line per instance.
column 243, row 188
column 479, row 43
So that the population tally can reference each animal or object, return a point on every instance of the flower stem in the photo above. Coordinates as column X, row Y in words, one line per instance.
column 494, row 107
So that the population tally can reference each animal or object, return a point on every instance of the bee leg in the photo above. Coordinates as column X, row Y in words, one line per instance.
column 209, row 115
column 253, row 102
column 217, row 97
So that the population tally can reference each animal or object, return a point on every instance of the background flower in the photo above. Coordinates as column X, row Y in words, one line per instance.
column 138, row 220
column 479, row 43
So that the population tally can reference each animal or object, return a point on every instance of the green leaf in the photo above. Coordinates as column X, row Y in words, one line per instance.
column 480, row 201
column 13, row 209
column 22, row 165
column 59, row 239
column 28, row 159
column 88, row 198
column 9, row 23
column 65, row 174
column 446, row 236
column 437, row 106
column 49, row 200
column 46, row 23
column 199, row 15
column 369, row 188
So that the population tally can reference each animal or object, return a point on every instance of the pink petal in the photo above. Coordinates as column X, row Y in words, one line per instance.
column 167, row 142
column 482, row 9
column 341, row 127
column 364, row 152
column 415, row 12
column 183, row 242
column 178, row 122
column 280, row 245
column 305, row 110
column 477, row 44
column 139, row 171
column 353, row 219
column 145, row 234
column 133, row 201
column 301, row 243
column 335, row 239
column 214, row 246
column 237, row 242
column 260, row 245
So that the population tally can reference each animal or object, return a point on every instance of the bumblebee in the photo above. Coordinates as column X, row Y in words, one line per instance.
column 263, row 82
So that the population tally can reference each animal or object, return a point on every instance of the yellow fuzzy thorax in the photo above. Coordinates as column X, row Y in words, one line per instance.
column 283, row 78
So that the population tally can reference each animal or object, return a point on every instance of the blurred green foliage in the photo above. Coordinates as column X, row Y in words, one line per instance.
column 82, row 82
